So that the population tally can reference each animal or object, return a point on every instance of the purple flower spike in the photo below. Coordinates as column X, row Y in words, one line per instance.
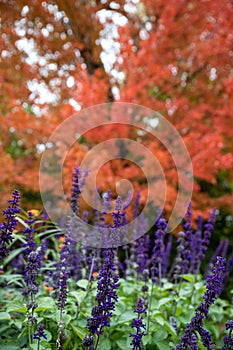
column 214, row 284
column 40, row 333
column 159, row 249
column 9, row 224
column 106, row 295
column 208, row 228
column 33, row 260
column 228, row 339
column 139, row 325
column 187, row 253
column 75, row 191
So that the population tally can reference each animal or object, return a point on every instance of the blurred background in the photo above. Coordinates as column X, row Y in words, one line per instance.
column 176, row 57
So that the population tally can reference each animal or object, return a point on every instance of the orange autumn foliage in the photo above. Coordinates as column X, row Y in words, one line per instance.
column 174, row 57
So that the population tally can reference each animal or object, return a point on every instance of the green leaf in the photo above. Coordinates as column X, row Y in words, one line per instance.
column 158, row 319
column 105, row 344
column 200, row 287
column 80, row 332
column 45, row 303
column 185, row 292
column 79, row 296
column 22, row 222
column 82, row 283
column 15, row 279
column 13, row 254
column 128, row 289
column 16, row 306
column 147, row 339
column 189, row 278
column 163, row 301
column 163, row 345
column 4, row 316
column 120, row 308
column 170, row 328
column 168, row 285
column 126, row 317
column 124, row 343
column 160, row 334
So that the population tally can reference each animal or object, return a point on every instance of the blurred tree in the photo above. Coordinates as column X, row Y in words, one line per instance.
column 174, row 57
column 179, row 62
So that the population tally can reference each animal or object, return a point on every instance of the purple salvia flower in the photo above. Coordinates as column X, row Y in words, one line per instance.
column 228, row 268
column 225, row 247
column 85, row 216
column 115, row 238
column 78, row 181
column 106, row 203
column 194, row 342
column 196, row 248
column 174, row 324
column 178, row 262
column 208, row 228
column 140, row 247
column 83, row 178
column 131, row 258
column 43, row 249
column 96, row 209
column 32, row 270
column 136, row 205
column 206, row 338
column 17, row 264
column 159, row 249
column 100, row 224
column 32, row 257
column 64, row 272
column 40, row 333
column 167, row 255
column 214, row 256
column 106, row 296
column 139, row 325
column 142, row 254
column 88, row 342
column 63, row 292
column 228, row 339
column 145, row 288
column 63, row 269
column 229, row 325
column 9, row 224
column 187, row 252
column 214, row 284
column 75, row 191
column 199, row 222
column 29, row 234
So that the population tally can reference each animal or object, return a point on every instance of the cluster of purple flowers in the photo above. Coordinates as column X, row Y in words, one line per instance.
column 9, row 224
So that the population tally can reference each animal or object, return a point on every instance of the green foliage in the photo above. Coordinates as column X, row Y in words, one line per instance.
column 168, row 300
column 177, row 300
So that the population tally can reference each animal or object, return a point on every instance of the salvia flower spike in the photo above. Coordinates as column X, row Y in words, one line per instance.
column 139, row 326
column 214, row 284
column 9, row 224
